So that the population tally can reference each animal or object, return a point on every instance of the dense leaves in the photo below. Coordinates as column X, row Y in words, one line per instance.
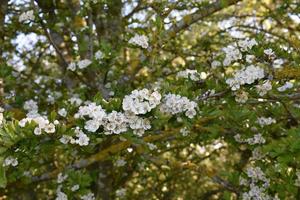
column 185, row 99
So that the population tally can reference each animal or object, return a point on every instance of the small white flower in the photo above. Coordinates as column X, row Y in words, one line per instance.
column 215, row 64
column 74, row 188
column 184, row 131
column 61, row 178
column 82, row 139
column 174, row 104
column 141, row 101
column 37, row 131
column 140, row 40
column 65, row 139
column 264, row 88
column 264, row 121
column 72, row 66
column 89, row 196
column 62, row 112
column 49, row 128
column 98, row 55
column 84, row 63
column 10, row 161
column 30, row 105
column 28, row 15
column 287, row 85
column 269, row 52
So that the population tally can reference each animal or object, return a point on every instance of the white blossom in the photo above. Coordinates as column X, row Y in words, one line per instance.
column 264, row 88
column 49, row 128
column 287, row 85
column 75, row 100
column 188, row 73
column 256, row 139
column 139, row 40
column 98, row 55
column 245, row 76
column 72, row 66
column 75, row 188
column 82, row 139
column 30, row 105
column 215, row 64
column 10, row 161
column 232, row 53
column 246, row 44
column 184, row 131
column 264, row 121
column 175, row 104
column 89, row 196
column 269, row 52
column 28, row 15
column 141, row 101
column 60, row 195
column 83, row 63
column 62, row 112
column 61, row 178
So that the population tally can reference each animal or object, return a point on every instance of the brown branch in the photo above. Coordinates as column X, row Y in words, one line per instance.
column 200, row 14
column 49, row 37
column 112, row 150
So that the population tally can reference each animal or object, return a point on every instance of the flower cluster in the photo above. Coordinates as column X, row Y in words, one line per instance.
column 175, row 104
column 75, row 100
column 141, row 101
column 42, row 122
column 30, row 105
column 28, row 15
column 247, row 44
column 287, row 85
column 232, row 53
column 80, row 64
column 189, row 73
column 60, row 195
column 139, row 40
column 245, row 76
column 88, row 196
column 33, row 115
column 137, row 124
column 81, row 138
column 10, row 161
column 263, row 121
column 256, row 175
column 114, row 122
column 264, row 88
column 256, row 139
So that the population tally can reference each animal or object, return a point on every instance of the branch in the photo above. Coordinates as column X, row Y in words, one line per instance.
column 203, row 12
column 113, row 149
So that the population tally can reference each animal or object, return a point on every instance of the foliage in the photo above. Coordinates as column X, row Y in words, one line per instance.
column 185, row 99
